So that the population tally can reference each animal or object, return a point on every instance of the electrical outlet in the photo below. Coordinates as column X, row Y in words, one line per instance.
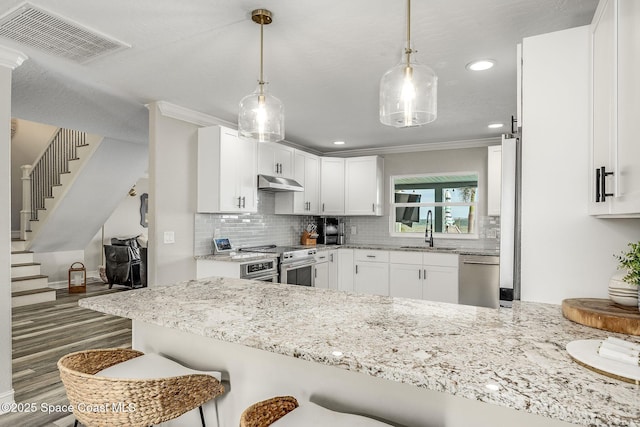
column 169, row 237
column 216, row 232
column 492, row 234
column 354, row 231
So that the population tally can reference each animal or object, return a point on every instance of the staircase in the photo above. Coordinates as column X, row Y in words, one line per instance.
column 28, row 286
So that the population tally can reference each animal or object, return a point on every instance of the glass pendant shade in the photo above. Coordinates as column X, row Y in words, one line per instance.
column 261, row 117
column 408, row 95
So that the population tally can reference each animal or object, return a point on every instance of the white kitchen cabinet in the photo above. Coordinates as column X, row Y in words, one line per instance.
column 615, row 153
column 327, row 263
column 345, row 269
column 371, row 272
column 307, row 173
column 321, row 273
column 405, row 280
column 332, row 184
column 275, row 159
column 363, row 185
column 494, row 179
column 424, row 275
column 226, row 171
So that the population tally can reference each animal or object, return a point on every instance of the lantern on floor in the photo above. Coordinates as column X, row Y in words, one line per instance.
column 77, row 278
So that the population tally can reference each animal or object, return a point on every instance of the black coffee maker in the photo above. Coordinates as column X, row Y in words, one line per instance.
column 328, row 231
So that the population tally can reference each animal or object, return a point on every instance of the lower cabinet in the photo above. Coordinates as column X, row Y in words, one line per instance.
column 404, row 274
column 429, row 276
column 321, row 275
column 372, row 278
column 345, row 269
column 405, row 280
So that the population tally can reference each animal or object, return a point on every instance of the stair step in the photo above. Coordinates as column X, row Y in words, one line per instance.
column 25, row 269
column 27, row 283
column 18, row 244
column 21, row 257
column 32, row 296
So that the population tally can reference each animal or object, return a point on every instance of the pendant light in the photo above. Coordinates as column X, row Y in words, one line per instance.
column 261, row 115
column 408, row 91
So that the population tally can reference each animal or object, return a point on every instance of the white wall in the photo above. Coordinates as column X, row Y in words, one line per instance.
column 172, row 198
column 29, row 141
column 123, row 222
column 565, row 252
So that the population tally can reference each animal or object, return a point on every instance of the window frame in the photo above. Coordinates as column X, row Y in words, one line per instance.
column 393, row 205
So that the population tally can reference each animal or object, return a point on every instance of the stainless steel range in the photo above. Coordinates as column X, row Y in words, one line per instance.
column 295, row 265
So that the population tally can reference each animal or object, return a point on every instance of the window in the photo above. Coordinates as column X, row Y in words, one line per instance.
column 452, row 199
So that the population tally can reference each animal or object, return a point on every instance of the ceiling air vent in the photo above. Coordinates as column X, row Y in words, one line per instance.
column 31, row 26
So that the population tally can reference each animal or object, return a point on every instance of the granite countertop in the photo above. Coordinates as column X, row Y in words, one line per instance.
column 447, row 348
column 415, row 248
column 235, row 257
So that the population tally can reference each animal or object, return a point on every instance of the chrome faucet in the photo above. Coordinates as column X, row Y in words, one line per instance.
column 428, row 229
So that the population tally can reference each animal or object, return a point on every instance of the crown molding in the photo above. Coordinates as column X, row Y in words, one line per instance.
column 178, row 112
column 11, row 58
column 414, row 148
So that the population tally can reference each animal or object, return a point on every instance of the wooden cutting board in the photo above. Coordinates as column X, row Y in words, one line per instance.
column 602, row 314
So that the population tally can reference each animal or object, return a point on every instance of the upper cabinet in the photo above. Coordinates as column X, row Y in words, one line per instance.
column 275, row 159
column 615, row 153
column 307, row 173
column 351, row 186
column 363, row 185
column 226, row 171
column 332, row 184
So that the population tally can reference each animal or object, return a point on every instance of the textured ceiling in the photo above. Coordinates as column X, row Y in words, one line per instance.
column 323, row 59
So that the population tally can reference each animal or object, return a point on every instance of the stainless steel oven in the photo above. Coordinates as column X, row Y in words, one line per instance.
column 265, row 270
column 298, row 272
column 295, row 264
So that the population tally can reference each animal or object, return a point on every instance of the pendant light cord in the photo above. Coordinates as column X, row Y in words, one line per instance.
column 407, row 49
column 261, row 82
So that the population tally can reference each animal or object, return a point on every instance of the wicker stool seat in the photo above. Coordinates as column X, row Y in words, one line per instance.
column 122, row 387
column 284, row 411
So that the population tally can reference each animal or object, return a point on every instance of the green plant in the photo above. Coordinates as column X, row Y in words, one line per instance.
column 631, row 262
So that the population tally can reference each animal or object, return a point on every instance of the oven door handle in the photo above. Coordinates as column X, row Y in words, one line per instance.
column 292, row 265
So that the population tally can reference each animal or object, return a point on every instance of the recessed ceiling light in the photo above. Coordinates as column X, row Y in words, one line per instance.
column 495, row 125
column 481, row 65
column 338, row 142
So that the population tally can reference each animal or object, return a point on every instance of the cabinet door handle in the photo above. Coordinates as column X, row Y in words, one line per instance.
column 419, row 274
column 424, row 274
column 373, row 207
column 323, row 207
column 597, row 185
column 603, row 183
column 243, row 202
column 331, row 257
column 356, row 268
column 315, row 272
column 371, row 256
column 239, row 202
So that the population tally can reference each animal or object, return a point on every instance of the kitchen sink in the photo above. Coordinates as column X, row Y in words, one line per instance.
column 435, row 248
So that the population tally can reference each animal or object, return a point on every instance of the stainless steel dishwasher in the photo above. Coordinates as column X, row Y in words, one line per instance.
column 479, row 280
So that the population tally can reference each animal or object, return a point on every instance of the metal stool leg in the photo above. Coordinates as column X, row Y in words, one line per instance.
column 202, row 416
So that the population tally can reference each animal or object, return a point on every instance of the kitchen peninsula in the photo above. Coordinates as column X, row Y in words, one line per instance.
column 409, row 362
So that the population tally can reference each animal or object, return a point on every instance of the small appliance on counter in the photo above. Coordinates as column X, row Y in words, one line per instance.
column 328, row 231
column 341, row 238
column 222, row 246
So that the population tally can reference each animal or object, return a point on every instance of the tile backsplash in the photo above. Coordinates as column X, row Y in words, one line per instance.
column 265, row 227
column 251, row 229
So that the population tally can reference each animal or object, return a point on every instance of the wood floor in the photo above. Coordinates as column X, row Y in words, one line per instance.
column 42, row 333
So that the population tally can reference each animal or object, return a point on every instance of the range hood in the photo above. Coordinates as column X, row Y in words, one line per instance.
column 276, row 183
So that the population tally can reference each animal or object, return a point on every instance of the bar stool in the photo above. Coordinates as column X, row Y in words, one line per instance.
column 129, row 388
column 284, row 411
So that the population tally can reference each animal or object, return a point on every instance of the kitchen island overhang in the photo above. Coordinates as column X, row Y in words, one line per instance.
column 449, row 355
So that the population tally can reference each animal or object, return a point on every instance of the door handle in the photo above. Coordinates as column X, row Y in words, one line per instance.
column 239, row 202
column 323, row 207
column 603, row 184
column 243, row 202
column 356, row 268
column 373, row 207
column 419, row 274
